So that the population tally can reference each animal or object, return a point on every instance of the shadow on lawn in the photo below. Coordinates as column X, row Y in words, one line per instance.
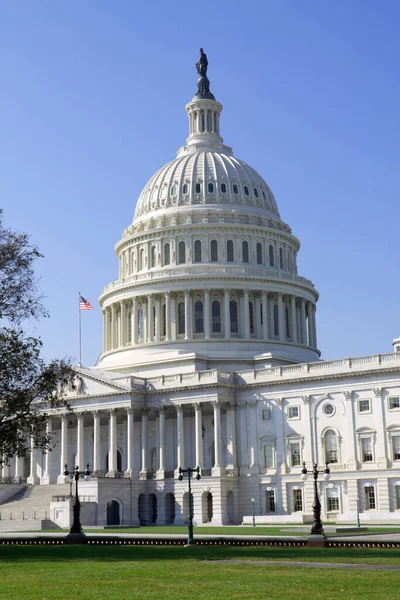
column 139, row 553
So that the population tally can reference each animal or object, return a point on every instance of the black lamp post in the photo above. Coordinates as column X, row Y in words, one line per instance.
column 317, row 528
column 189, row 471
column 75, row 474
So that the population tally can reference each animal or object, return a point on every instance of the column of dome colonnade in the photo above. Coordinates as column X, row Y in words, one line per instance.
column 86, row 425
column 208, row 313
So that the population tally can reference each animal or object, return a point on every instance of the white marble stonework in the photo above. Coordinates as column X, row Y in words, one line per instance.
column 210, row 359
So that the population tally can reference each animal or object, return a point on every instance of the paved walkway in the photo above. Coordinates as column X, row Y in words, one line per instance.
column 282, row 563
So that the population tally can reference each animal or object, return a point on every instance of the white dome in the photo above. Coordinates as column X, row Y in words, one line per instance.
column 206, row 177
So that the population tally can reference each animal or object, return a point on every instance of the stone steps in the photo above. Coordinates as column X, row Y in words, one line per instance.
column 35, row 506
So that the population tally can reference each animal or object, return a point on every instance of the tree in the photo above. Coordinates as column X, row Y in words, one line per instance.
column 28, row 386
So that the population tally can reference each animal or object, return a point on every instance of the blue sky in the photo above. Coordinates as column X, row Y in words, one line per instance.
column 92, row 104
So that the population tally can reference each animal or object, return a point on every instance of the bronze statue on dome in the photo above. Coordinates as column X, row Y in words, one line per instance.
column 203, row 84
column 202, row 64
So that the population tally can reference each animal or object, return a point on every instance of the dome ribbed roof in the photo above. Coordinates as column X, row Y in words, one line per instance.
column 205, row 177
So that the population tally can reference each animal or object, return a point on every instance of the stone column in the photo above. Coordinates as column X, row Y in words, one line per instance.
column 150, row 329
column 271, row 315
column 349, row 429
column 104, row 312
column 217, row 470
column 167, row 316
column 281, row 319
column 381, row 454
column 144, row 313
column 180, row 439
column 310, row 324
column 134, row 323
column 265, row 315
column 161, row 444
column 112, row 447
column 96, row 441
column 199, row 435
column 252, row 438
column 130, row 443
column 80, row 459
column 231, row 435
column 113, row 326
column 314, row 326
column 293, row 321
column 246, row 319
column 48, row 477
column 207, row 319
column 173, row 318
column 123, row 323
column 63, row 448
column 18, row 470
column 158, row 319
column 303, row 321
column 227, row 314
column 145, row 428
column 188, row 307
column 33, row 478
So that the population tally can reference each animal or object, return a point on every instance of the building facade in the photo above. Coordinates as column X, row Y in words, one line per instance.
column 210, row 359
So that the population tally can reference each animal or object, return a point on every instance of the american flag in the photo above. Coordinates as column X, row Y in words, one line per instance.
column 84, row 304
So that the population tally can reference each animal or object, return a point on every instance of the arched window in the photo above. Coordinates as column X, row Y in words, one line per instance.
column 181, row 317
column 280, row 258
column 182, row 253
column 259, row 254
column 216, row 316
column 271, row 255
column 233, row 316
column 140, row 324
column 210, row 188
column 245, row 251
column 214, row 251
column 153, row 256
column 251, row 317
column 235, row 189
column 276, row 321
column 167, row 254
column 331, row 447
column 256, row 192
column 223, row 188
column 141, row 259
column 197, row 251
column 173, row 190
column 287, row 322
column 198, row 317
column 229, row 251
column 246, row 190
column 185, row 188
column 198, row 188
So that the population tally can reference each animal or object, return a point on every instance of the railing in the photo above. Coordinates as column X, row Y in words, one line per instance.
column 143, row 476
column 206, row 472
column 169, row 474
column 65, row 498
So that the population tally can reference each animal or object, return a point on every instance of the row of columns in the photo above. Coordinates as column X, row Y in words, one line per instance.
column 122, row 325
column 160, row 443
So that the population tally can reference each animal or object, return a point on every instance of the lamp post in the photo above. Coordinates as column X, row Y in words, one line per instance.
column 254, row 514
column 317, row 528
column 76, row 528
column 358, row 512
column 189, row 471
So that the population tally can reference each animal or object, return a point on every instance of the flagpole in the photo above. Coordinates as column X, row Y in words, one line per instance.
column 79, row 330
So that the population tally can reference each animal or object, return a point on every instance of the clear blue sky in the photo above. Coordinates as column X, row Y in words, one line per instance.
column 92, row 104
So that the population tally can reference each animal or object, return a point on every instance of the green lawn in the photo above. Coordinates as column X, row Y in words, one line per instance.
column 108, row 572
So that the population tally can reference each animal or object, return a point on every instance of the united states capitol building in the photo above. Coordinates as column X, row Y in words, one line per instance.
column 210, row 358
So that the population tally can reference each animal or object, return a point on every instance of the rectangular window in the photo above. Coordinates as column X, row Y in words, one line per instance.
column 295, row 459
column 396, row 447
column 297, row 501
column 332, row 500
column 366, row 446
column 397, row 494
column 267, row 414
column 364, row 406
column 394, row 403
column 293, row 412
column 270, row 501
column 268, row 456
column 369, row 492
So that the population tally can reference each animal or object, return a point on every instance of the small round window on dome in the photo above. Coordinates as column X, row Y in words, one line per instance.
column 185, row 188
column 210, row 188
column 198, row 188
column 223, row 188
column 246, row 190
column 235, row 189
column 328, row 409
column 256, row 192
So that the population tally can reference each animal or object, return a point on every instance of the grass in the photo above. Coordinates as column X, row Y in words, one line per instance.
column 114, row 573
